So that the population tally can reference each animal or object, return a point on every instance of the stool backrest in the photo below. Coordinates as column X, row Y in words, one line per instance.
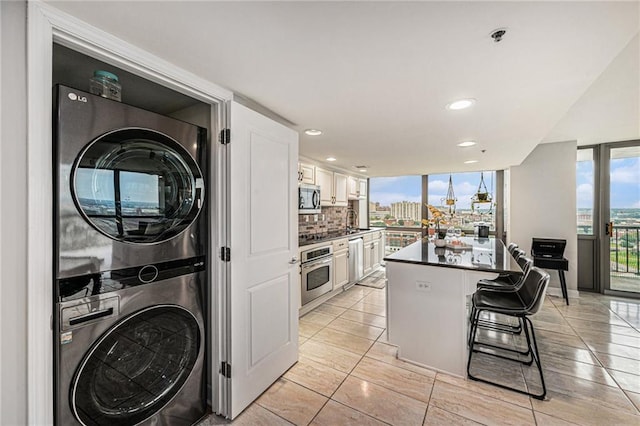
column 533, row 289
column 517, row 254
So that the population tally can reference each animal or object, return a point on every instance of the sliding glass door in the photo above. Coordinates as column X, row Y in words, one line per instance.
column 620, row 243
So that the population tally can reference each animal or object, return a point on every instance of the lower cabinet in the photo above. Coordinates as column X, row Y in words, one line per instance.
column 340, row 263
column 340, row 268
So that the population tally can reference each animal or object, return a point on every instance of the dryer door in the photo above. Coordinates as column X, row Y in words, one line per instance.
column 137, row 185
column 136, row 367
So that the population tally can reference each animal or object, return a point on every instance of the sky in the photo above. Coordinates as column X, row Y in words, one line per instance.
column 625, row 186
column 625, row 183
column 389, row 190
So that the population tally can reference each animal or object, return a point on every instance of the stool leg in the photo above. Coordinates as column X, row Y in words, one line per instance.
column 563, row 286
column 536, row 357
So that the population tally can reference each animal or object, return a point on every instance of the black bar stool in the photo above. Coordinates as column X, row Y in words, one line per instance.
column 521, row 303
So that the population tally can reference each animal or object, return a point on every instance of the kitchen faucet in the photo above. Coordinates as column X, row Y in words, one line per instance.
column 354, row 219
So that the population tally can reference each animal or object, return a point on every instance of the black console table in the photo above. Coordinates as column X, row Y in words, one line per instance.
column 560, row 265
column 548, row 253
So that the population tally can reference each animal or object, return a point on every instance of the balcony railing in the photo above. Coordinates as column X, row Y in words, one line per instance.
column 396, row 239
column 624, row 254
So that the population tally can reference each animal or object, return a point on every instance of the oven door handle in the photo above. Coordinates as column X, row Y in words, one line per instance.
column 317, row 263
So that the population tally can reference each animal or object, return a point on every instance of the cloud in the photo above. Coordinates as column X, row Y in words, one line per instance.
column 627, row 173
column 584, row 195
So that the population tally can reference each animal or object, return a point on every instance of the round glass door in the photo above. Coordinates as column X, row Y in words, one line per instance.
column 136, row 368
column 138, row 186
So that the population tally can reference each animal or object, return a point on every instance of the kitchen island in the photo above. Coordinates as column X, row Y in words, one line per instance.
column 428, row 298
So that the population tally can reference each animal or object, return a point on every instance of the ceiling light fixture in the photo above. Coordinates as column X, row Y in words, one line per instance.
column 466, row 144
column 363, row 170
column 470, row 161
column 331, row 159
column 313, row 132
column 461, row 104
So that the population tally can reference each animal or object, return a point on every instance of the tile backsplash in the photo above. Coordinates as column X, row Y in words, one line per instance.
column 329, row 220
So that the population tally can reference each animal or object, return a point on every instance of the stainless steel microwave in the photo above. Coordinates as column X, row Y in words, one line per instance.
column 308, row 199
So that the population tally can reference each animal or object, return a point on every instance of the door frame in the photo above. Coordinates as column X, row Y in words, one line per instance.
column 605, row 216
column 596, row 227
column 46, row 25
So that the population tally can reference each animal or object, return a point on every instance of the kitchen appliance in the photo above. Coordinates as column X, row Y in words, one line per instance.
column 356, row 260
column 308, row 199
column 483, row 231
column 130, row 186
column 130, row 346
column 316, row 270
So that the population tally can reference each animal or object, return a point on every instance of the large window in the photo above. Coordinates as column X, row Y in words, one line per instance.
column 395, row 201
column 465, row 187
column 584, row 190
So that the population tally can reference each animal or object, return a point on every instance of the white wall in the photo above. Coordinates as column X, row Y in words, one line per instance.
column 542, row 192
column 13, row 205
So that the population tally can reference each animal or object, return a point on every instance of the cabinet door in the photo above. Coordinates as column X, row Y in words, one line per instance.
column 340, row 191
column 354, row 188
column 340, row 268
column 375, row 254
column 368, row 258
column 307, row 173
column 324, row 179
column 362, row 189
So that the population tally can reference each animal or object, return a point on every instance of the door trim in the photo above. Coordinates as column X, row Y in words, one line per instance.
column 46, row 25
column 605, row 216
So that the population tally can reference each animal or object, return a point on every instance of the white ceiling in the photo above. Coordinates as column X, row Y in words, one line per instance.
column 376, row 76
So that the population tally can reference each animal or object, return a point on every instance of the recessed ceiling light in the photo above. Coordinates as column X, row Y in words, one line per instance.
column 363, row 170
column 470, row 161
column 466, row 144
column 331, row 159
column 461, row 104
column 313, row 132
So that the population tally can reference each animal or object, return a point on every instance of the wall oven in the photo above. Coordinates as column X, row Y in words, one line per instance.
column 316, row 273
column 308, row 199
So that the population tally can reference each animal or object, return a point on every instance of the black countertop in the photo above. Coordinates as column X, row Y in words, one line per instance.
column 481, row 254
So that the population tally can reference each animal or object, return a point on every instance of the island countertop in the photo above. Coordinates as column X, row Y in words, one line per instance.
column 480, row 254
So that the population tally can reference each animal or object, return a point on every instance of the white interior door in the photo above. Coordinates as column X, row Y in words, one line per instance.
column 263, row 284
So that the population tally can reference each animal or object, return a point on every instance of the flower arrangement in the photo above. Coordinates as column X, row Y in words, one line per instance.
column 437, row 218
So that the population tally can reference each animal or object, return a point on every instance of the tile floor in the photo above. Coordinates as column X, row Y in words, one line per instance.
column 348, row 375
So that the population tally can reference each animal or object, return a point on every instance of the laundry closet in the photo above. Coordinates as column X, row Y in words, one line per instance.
column 174, row 286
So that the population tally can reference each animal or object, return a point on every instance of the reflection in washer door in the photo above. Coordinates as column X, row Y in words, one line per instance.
column 136, row 367
column 137, row 185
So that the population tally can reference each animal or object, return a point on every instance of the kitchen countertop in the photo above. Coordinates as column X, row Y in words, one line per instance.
column 482, row 254
column 330, row 236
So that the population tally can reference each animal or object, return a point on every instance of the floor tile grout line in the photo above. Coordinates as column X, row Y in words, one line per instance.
column 593, row 354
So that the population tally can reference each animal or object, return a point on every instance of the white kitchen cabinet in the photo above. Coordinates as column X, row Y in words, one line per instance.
column 354, row 188
column 340, row 263
column 306, row 173
column 362, row 189
column 333, row 188
column 373, row 246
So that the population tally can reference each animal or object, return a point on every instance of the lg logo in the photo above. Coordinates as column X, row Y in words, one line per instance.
column 75, row 97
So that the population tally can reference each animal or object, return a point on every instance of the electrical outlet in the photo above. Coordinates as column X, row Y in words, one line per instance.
column 423, row 286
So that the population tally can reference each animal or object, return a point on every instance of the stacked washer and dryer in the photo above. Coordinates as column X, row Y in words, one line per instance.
column 131, row 228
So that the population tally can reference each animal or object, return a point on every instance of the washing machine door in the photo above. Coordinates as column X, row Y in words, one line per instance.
column 137, row 185
column 136, row 367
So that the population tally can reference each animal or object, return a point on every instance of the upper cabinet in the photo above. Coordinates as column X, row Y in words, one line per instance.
column 333, row 188
column 306, row 173
column 357, row 188
column 354, row 188
column 362, row 189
